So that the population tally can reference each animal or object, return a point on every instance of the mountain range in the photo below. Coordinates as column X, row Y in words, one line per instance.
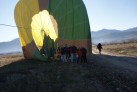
column 102, row 36
column 110, row 36
column 10, row 47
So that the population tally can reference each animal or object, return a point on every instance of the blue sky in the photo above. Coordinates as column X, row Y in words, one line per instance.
column 112, row 14
column 109, row 14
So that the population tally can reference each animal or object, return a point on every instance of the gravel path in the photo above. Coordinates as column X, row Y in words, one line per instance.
column 126, row 63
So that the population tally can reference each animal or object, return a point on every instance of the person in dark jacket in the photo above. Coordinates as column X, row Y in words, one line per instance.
column 63, row 56
column 66, row 52
column 84, row 55
column 99, row 47
column 59, row 54
column 74, row 51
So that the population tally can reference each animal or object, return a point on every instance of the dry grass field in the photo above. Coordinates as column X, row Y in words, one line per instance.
column 125, row 48
column 10, row 58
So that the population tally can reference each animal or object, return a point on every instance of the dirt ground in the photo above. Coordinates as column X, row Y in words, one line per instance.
column 102, row 73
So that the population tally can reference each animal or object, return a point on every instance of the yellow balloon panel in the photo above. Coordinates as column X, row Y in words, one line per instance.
column 24, row 11
column 42, row 24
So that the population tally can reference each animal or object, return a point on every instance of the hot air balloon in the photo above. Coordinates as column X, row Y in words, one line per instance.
column 62, row 21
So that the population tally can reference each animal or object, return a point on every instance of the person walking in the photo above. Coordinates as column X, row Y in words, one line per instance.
column 99, row 47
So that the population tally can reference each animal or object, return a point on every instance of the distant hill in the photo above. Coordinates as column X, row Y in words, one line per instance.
column 109, row 36
column 103, row 36
column 10, row 47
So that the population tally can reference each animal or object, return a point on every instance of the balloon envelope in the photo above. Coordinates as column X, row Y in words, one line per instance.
column 66, row 20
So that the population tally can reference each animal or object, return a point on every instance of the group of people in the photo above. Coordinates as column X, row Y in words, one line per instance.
column 68, row 54
column 71, row 54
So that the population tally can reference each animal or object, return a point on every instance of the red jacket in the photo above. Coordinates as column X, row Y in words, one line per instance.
column 79, row 53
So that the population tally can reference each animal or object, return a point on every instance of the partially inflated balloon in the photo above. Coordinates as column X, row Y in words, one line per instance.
column 66, row 20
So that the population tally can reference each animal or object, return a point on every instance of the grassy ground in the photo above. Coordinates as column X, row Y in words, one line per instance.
column 128, row 48
column 10, row 58
column 37, row 76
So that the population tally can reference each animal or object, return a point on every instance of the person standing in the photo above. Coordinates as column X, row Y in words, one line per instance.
column 79, row 54
column 66, row 53
column 59, row 54
column 63, row 56
column 84, row 55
